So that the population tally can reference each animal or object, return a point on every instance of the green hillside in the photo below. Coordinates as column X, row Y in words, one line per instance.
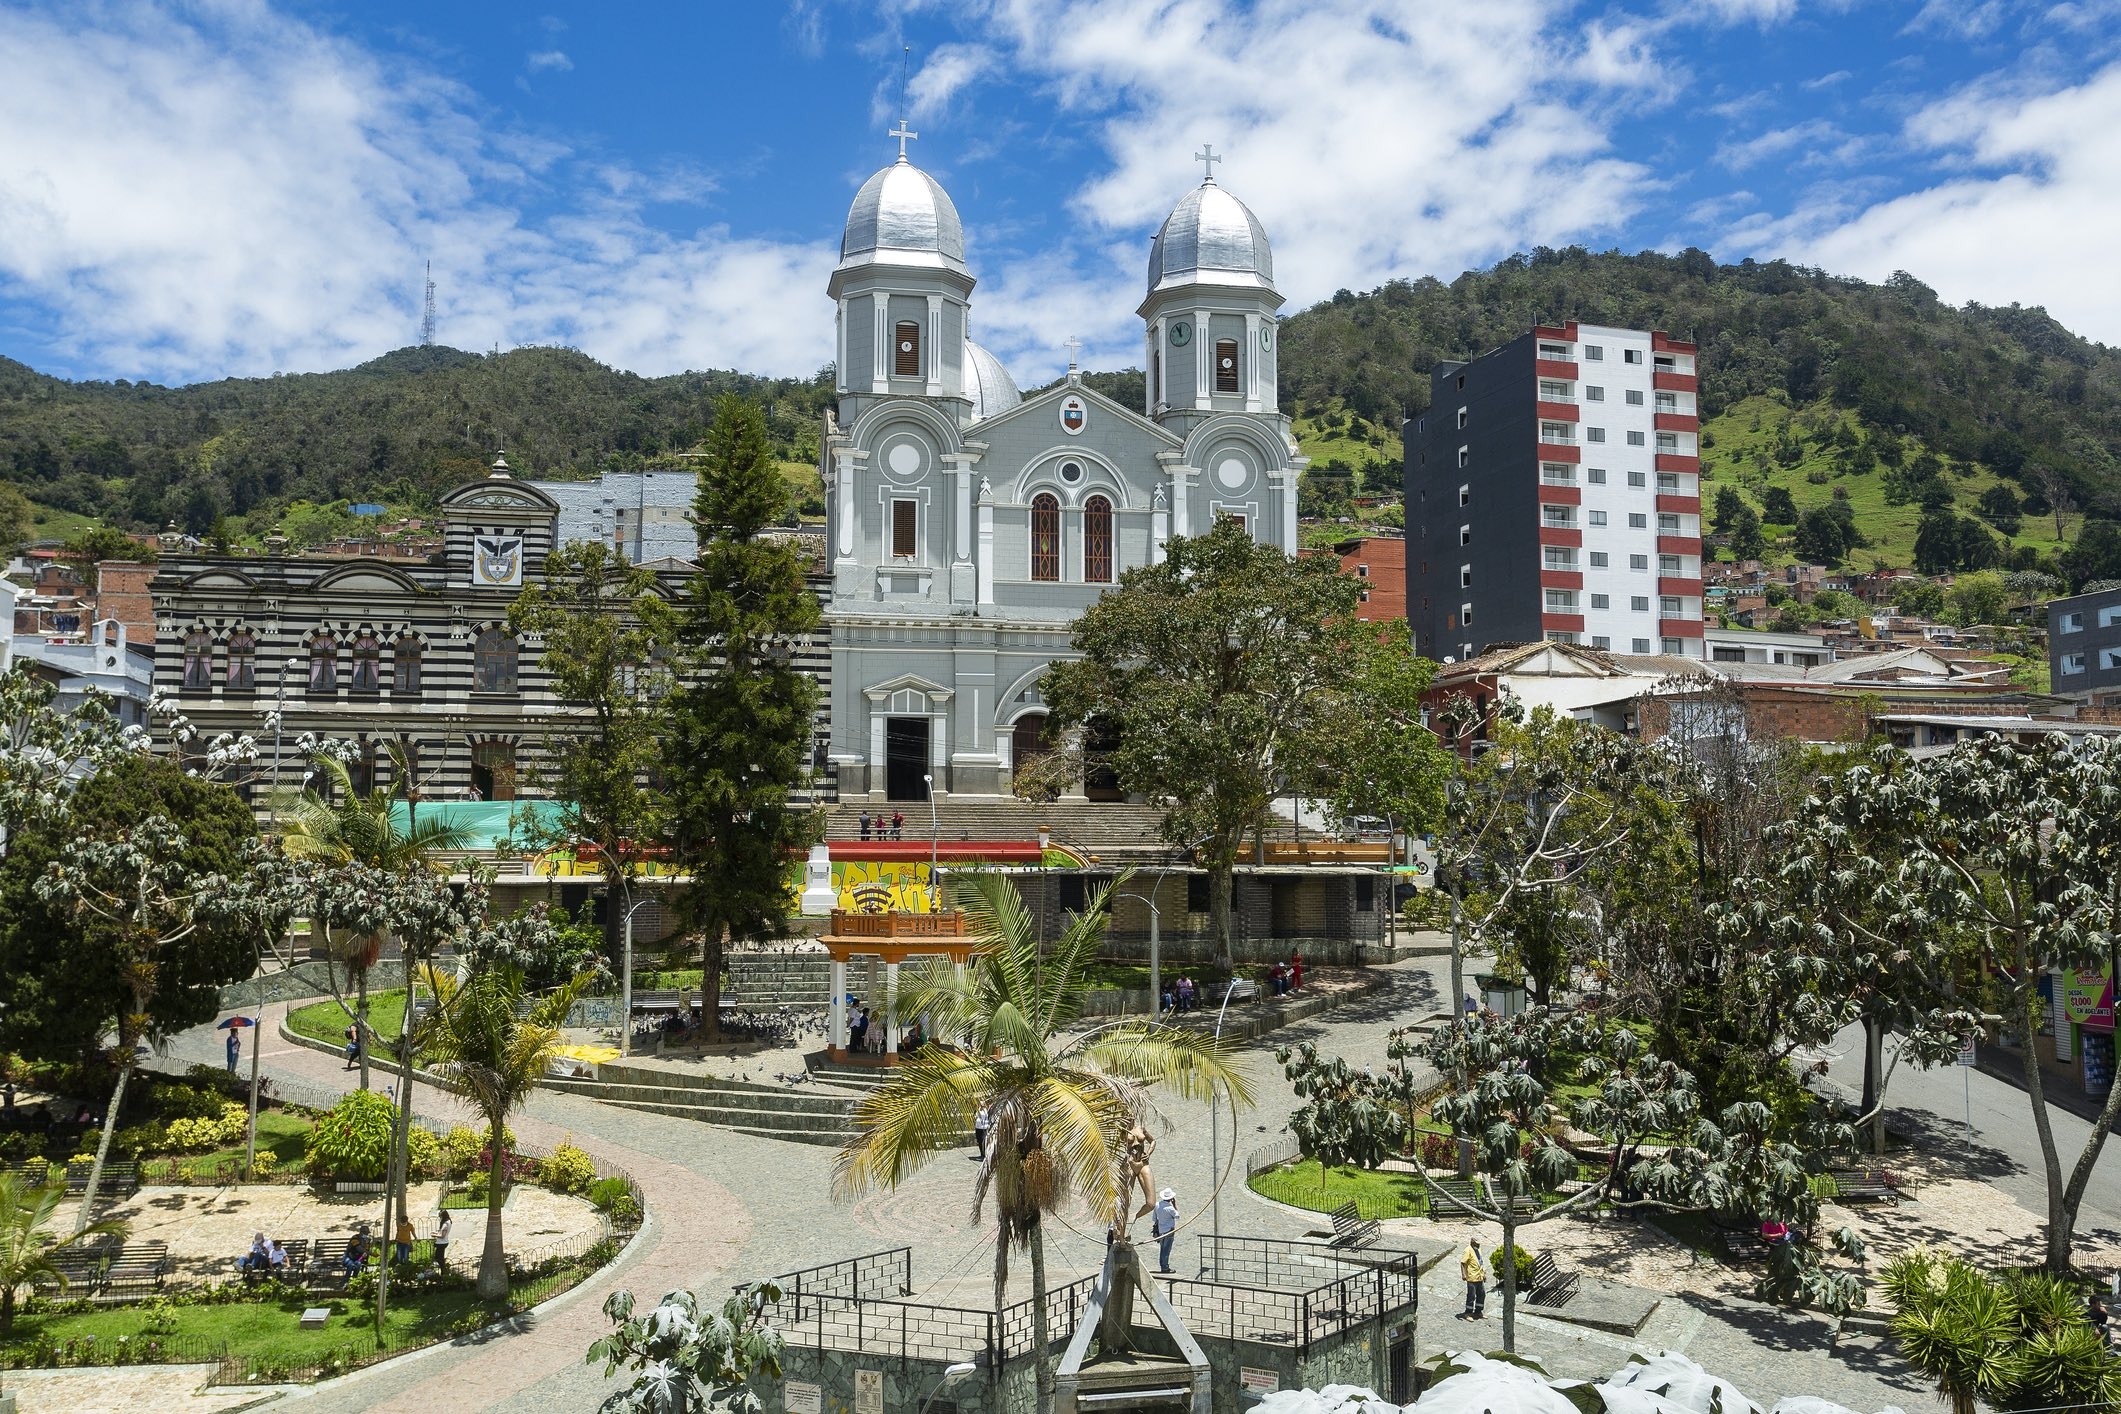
column 397, row 429
column 2006, row 389
column 1815, row 451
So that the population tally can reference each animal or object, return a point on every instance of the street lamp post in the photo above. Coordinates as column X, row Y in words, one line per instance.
column 935, row 892
column 1215, row 1114
column 626, row 972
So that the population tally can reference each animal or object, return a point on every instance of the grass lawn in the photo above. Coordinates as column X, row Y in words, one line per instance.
column 1376, row 1194
column 326, row 1020
column 51, row 523
column 267, row 1333
column 284, row 1136
column 688, row 978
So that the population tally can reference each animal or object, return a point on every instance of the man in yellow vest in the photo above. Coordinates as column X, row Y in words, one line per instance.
column 1475, row 1273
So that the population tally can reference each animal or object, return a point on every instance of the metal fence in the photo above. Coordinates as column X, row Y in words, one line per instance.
column 1290, row 1293
column 856, row 1305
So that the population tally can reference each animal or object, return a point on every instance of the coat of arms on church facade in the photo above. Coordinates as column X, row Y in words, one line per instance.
column 1074, row 414
column 497, row 560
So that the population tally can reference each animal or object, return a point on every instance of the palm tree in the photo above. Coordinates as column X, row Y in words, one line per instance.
column 26, row 1244
column 2020, row 1342
column 341, row 825
column 1059, row 1108
column 480, row 1040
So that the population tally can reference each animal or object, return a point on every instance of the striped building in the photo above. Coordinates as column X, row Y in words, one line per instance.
column 375, row 651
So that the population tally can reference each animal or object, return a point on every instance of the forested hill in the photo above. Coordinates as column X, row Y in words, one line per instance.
column 2008, row 388
column 398, row 428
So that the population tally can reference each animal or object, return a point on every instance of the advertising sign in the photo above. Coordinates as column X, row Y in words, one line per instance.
column 2088, row 998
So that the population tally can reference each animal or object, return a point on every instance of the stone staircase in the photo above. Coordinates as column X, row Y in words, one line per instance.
column 766, row 981
column 804, row 1114
column 1095, row 827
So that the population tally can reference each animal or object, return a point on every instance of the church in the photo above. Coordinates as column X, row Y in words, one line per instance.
column 967, row 526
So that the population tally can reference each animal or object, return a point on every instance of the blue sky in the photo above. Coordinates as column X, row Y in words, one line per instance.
column 232, row 187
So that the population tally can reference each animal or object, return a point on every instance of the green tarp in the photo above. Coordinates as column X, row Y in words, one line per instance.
column 490, row 824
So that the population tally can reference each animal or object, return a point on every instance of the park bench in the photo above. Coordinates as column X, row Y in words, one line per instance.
column 297, row 1254
column 327, row 1262
column 1460, row 1193
column 82, row 1267
column 136, row 1269
column 1863, row 1185
column 1351, row 1229
column 1551, row 1286
column 655, row 1002
column 119, row 1180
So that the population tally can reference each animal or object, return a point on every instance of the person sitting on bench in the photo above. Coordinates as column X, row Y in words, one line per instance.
column 356, row 1257
column 259, row 1258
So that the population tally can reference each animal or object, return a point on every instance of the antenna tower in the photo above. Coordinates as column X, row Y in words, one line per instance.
column 427, row 313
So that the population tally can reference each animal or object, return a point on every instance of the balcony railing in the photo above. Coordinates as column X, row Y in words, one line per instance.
column 947, row 924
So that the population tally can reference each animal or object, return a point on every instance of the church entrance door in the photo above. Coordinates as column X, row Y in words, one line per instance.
column 1100, row 781
column 906, row 757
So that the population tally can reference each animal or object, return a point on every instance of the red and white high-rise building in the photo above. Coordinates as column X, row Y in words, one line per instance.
column 1554, row 491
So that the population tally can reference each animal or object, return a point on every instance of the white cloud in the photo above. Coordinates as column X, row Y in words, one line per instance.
column 1808, row 136
column 1827, row 80
column 2028, row 217
column 548, row 60
column 945, row 73
column 1374, row 140
column 247, row 193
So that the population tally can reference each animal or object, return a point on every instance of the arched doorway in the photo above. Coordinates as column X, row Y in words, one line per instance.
column 1100, row 782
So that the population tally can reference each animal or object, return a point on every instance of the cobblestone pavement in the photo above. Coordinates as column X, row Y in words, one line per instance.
column 168, row 1389
column 727, row 1207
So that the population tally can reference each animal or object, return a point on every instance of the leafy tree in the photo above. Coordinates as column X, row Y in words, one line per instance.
column 484, row 1040
column 1821, row 537
column 1977, row 598
column 1345, row 1118
column 27, row 1244
column 100, row 542
column 2020, row 1342
column 686, row 1359
column 18, row 519
column 1945, row 542
column 609, row 638
column 45, row 753
column 1747, row 540
column 1221, row 677
column 2018, row 846
column 1920, row 597
column 1059, row 1109
column 738, row 739
column 2000, row 507
column 1727, row 506
column 1777, row 505
column 2095, row 555
column 147, row 944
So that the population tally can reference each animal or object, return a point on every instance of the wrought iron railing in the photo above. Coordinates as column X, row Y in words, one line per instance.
column 856, row 1306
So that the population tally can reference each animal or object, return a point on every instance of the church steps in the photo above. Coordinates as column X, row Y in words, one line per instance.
column 721, row 1097
column 793, row 1129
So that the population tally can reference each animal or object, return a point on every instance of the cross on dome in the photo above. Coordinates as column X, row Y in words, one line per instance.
column 902, row 133
column 1207, row 158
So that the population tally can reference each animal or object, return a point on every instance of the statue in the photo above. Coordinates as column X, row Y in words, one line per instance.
column 1134, row 1172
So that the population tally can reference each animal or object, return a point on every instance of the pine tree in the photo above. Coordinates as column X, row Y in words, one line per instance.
column 740, row 730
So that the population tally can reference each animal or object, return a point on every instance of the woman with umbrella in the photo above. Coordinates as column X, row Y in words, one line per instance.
column 234, row 1027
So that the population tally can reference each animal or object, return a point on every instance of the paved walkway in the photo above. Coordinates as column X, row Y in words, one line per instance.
column 726, row 1207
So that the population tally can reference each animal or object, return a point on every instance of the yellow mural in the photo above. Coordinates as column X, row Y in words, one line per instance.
column 882, row 886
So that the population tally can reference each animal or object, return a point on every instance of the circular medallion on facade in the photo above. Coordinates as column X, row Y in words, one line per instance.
column 1266, row 337
column 1074, row 415
column 1071, row 472
column 1181, row 334
column 904, row 459
column 1231, row 472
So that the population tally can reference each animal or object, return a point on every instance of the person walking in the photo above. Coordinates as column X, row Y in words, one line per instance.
column 898, row 824
column 235, row 1048
column 865, row 824
column 441, row 1242
column 1163, row 1223
column 1296, row 971
column 980, row 1125
column 1475, row 1272
column 353, row 1047
column 404, row 1239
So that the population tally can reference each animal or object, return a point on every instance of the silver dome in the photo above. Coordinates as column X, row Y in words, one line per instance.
column 1210, row 238
column 902, row 216
column 988, row 384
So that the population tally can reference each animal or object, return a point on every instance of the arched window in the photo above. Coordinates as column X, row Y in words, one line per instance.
column 323, row 663
column 493, row 770
column 1097, row 540
column 494, row 662
column 405, row 677
column 367, row 664
column 242, row 662
column 198, row 659
column 906, row 350
column 1045, row 537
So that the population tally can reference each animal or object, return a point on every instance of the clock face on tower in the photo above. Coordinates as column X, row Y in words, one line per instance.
column 1181, row 334
column 1266, row 338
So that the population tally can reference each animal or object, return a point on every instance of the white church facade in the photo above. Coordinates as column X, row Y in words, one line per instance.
column 967, row 526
